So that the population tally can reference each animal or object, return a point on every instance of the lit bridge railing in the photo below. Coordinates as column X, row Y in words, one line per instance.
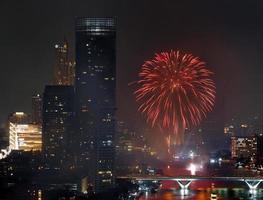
column 185, row 181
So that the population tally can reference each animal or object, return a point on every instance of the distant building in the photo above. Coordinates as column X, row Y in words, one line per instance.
column 243, row 130
column 133, row 154
column 4, row 140
column 19, row 118
column 36, row 109
column 95, row 98
column 229, row 130
column 246, row 127
column 57, row 125
column 123, row 138
column 26, row 137
column 128, row 141
column 21, row 165
column 22, row 134
column 71, row 73
column 244, row 147
column 260, row 148
column 64, row 70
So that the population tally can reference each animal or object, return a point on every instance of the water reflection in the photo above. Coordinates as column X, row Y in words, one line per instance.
column 203, row 194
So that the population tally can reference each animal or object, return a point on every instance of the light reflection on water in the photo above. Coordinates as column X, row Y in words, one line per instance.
column 222, row 193
column 201, row 190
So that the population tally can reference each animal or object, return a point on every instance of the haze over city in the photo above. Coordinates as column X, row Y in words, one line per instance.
column 226, row 35
column 137, row 99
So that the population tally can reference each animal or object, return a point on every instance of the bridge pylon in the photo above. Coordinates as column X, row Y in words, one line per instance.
column 184, row 184
column 253, row 184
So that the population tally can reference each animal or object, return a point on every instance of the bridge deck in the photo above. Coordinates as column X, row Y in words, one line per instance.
column 192, row 178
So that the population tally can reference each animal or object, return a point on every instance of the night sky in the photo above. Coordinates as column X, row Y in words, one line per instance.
column 227, row 35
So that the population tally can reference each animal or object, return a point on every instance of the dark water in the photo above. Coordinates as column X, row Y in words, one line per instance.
column 202, row 190
column 204, row 194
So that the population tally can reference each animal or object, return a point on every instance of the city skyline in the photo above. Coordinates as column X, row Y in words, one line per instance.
column 131, row 100
column 222, row 47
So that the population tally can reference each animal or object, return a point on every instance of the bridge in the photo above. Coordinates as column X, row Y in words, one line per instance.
column 185, row 181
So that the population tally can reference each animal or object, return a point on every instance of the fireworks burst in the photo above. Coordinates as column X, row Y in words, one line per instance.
column 175, row 91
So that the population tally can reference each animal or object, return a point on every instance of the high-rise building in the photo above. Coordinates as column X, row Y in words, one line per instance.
column 22, row 134
column 243, row 130
column 4, row 140
column 36, row 109
column 71, row 73
column 229, row 130
column 260, row 148
column 19, row 118
column 244, row 147
column 64, row 69
column 58, row 113
column 95, row 98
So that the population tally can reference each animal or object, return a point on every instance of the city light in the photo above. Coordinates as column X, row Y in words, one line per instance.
column 192, row 168
column 27, row 137
column 212, row 160
column 4, row 153
column 159, row 101
column 191, row 154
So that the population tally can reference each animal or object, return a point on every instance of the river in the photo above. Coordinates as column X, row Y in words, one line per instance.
column 202, row 189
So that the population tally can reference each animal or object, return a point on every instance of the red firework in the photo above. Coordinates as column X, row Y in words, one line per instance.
column 175, row 91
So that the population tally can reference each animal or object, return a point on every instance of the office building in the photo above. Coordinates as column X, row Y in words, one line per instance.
column 244, row 147
column 4, row 139
column 95, row 98
column 229, row 130
column 243, row 130
column 260, row 148
column 36, row 109
column 57, row 125
column 26, row 137
column 22, row 134
column 64, row 70
column 19, row 118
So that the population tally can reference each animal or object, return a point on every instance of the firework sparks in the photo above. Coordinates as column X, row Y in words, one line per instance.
column 175, row 91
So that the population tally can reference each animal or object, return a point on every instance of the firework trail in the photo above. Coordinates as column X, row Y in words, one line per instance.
column 175, row 91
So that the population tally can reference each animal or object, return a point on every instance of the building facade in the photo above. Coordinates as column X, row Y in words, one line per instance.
column 244, row 147
column 95, row 98
column 4, row 138
column 58, row 113
column 22, row 134
column 260, row 148
column 36, row 109
column 64, row 70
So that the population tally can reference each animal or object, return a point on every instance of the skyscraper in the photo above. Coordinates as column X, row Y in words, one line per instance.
column 36, row 109
column 63, row 69
column 259, row 148
column 95, row 98
column 58, row 107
